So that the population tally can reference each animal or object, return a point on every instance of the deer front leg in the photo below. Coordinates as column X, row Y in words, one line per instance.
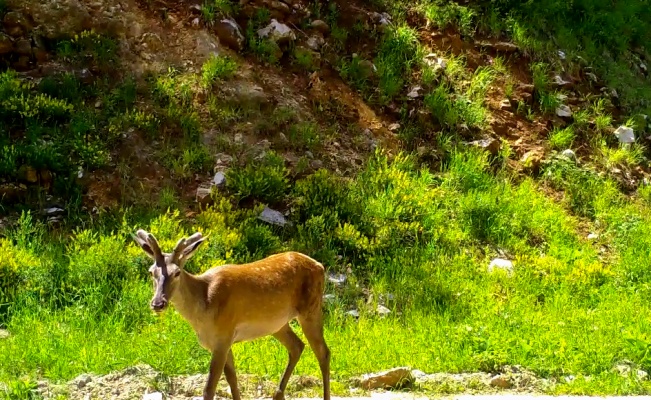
column 219, row 357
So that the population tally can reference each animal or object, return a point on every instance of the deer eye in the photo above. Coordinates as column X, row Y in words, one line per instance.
column 177, row 273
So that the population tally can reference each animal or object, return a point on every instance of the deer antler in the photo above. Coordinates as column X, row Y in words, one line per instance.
column 150, row 239
column 183, row 244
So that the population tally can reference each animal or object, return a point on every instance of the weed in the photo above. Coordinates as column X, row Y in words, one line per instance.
column 304, row 135
column 217, row 68
column 265, row 180
column 562, row 138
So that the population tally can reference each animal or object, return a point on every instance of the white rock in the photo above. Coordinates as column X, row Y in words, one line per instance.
column 337, row 279
column 353, row 313
column 415, row 92
column 273, row 217
column 643, row 67
column 561, row 54
column 593, row 236
column 500, row 263
column 153, row 396
column 625, row 134
column 564, row 111
column 568, row 153
column 219, row 179
column 277, row 32
column 558, row 80
column 382, row 310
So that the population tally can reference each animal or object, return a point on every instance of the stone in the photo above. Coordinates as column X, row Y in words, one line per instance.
column 593, row 236
column 382, row 20
column 388, row 379
column 353, row 313
column 490, row 144
column 230, row 33
column 435, row 61
column 505, row 105
column 500, row 263
column 501, row 382
column 414, row 93
column 54, row 211
column 320, row 26
column 569, row 154
column 55, row 19
column 273, row 217
column 82, row 380
column 592, row 77
column 219, row 180
column 277, row 32
column 531, row 160
column 280, row 6
column 504, row 47
column 24, row 47
column 6, row 44
column 560, row 82
column 382, row 310
column 625, row 134
column 315, row 42
column 564, row 111
column 16, row 24
column 561, row 54
column 337, row 279
column 245, row 93
column 153, row 396
column 203, row 195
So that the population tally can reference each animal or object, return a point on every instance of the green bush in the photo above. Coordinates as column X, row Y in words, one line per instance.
column 265, row 179
column 217, row 68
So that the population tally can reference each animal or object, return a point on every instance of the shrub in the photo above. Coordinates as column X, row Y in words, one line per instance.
column 217, row 68
column 264, row 179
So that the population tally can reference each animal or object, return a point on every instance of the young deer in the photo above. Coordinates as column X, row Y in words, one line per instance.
column 236, row 303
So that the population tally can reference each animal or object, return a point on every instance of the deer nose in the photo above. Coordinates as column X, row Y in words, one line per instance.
column 158, row 304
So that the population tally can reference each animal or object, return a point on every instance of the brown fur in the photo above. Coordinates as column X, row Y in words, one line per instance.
column 235, row 303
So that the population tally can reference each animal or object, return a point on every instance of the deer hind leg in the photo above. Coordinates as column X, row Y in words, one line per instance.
column 295, row 347
column 231, row 376
column 312, row 325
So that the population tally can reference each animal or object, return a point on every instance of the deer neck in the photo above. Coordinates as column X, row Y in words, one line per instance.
column 189, row 298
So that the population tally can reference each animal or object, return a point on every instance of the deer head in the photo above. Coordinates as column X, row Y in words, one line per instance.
column 167, row 267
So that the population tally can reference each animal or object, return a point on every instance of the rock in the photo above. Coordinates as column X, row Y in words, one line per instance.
column 24, row 47
column 315, row 42
column 625, row 134
column 394, row 127
column 592, row 77
column 203, row 195
column 382, row 310
column 223, row 159
column 230, row 33
column 381, row 20
column 564, row 111
column 561, row 54
column 6, row 44
column 593, row 236
column 273, row 217
column 219, row 180
column 153, row 396
column 353, row 313
column 531, row 160
column 16, row 24
column 54, row 211
column 388, row 379
column 55, row 19
column 280, row 6
column 435, row 61
column 368, row 68
column 337, row 279
column 560, row 82
column 414, row 93
column 505, row 105
column 244, row 93
column 320, row 26
column 277, row 32
column 316, row 164
column 500, row 263
column 569, row 154
column 82, row 380
column 504, row 47
column 489, row 144
column 501, row 382
column 4, row 334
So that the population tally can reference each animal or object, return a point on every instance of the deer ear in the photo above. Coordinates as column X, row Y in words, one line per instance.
column 191, row 249
column 138, row 238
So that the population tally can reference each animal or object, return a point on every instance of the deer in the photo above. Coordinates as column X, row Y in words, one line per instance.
column 233, row 303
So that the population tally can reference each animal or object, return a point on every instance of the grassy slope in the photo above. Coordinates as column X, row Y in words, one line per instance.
column 572, row 307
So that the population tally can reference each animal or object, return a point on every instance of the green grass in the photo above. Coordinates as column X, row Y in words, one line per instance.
column 425, row 239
